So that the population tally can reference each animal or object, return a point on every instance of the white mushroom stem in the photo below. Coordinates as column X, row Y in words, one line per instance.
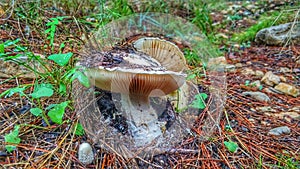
column 144, row 125
column 138, row 109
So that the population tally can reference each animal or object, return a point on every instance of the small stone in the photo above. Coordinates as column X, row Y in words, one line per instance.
column 259, row 73
column 297, row 70
column 248, row 71
column 270, row 79
column 230, row 68
column 282, row 78
column 238, row 65
column 285, row 70
column 280, row 130
column 289, row 115
column 224, row 12
column 237, row 46
column 247, row 13
column 287, row 89
column 256, row 83
column 85, row 153
column 258, row 96
column 218, row 63
column 264, row 123
column 9, row 69
column 265, row 109
column 245, row 129
column 267, row 90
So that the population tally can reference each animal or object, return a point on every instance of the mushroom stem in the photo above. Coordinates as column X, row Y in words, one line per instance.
column 143, row 122
column 138, row 109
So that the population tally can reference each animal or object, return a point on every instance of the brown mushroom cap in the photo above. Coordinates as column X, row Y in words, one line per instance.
column 136, row 81
column 165, row 52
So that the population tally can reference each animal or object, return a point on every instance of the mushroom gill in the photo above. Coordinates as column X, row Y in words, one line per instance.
column 165, row 52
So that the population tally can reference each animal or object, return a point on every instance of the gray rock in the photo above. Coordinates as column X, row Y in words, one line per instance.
column 258, row 96
column 279, row 35
column 280, row 130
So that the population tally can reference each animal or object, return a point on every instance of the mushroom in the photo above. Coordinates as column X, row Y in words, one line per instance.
column 165, row 52
column 170, row 57
column 137, row 78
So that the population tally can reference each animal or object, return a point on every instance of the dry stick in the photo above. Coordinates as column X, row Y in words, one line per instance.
column 32, row 154
column 55, row 149
column 241, row 143
column 290, row 31
column 225, row 159
column 235, row 135
column 70, row 142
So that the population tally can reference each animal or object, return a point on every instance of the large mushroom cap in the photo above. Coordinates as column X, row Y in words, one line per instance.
column 137, row 74
column 165, row 52
column 136, row 81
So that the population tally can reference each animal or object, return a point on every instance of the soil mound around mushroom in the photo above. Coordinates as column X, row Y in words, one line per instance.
column 147, row 106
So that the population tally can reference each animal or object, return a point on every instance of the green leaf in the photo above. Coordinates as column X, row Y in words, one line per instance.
column 2, row 48
column 12, row 137
column 12, row 91
column 20, row 49
column 42, row 90
column 191, row 76
column 62, row 88
column 47, row 30
column 61, row 59
column 79, row 129
column 198, row 102
column 83, row 79
column 247, row 82
column 62, row 45
column 9, row 42
column 36, row 111
column 231, row 146
column 57, row 112
column 50, row 106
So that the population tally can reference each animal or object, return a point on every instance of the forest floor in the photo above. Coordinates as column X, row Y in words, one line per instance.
column 246, row 121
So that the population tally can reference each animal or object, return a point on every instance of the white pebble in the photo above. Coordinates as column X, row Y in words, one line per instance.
column 85, row 153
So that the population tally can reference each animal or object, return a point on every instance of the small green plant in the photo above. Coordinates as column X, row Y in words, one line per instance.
column 79, row 131
column 13, row 138
column 191, row 57
column 247, row 82
column 199, row 101
column 52, row 28
column 231, row 146
column 56, row 81
column 202, row 17
column 286, row 162
column 56, row 113
column 260, row 162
